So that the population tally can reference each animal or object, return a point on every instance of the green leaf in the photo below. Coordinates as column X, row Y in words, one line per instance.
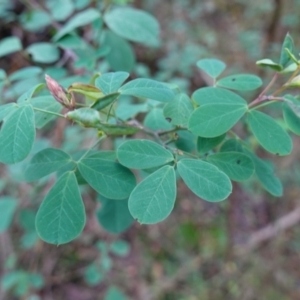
column 60, row 10
column 143, row 154
column 269, row 133
column 10, row 45
column 114, row 293
column 212, row 67
column 107, row 177
column 147, row 88
column 121, row 56
column 153, row 199
column 236, row 165
column 240, row 82
column 45, row 103
column 120, row 248
column 291, row 119
column 93, row 276
column 134, row 25
column 156, row 120
column 85, row 116
column 110, row 82
column 186, row 141
column 206, row 144
column 205, row 180
column 35, row 20
column 25, row 73
column 80, row 19
column 114, row 215
column 17, row 135
column 29, row 93
column 231, row 145
column 46, row 162
column 61, row 216
column 264, row 171
column 293, row 103
column 111, row 129
column 289, row 44
column 6, row 110
column 269, row 63
column 219, row 111
column 103, row 102
column 45, row 53
column 179, row 110
column 8, row 206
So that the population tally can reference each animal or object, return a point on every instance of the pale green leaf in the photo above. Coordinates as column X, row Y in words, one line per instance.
column 211, row 66
column 107, row 177
column 17, row 135
column 110, row 82
column 134, row 25
column 43, row 52
column 60, row 10
column 266, row 62
column 61, row 216
column 156, row 120
column 205, row 180
column 289, row 44
column 143, row 154
column 240, row 82
column 10, row 45
column 147, row 88
column 46, row 162
column 236, row 165
column 8, row 206
column 269, row 133
column 179, row 110
column 6, row 110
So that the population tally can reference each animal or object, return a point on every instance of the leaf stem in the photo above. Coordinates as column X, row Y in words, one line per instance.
column 48, row 112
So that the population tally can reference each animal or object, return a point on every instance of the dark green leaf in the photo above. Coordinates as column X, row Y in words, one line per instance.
column 110, row 82
column 236, row 165
column 179, row 110
column 107, row 177
column 46, row 162
column 232, row 145
column 17, row 135
column 205, row 180
column 103, row 102
column 212, row 67
column 206, row 144
column 114, row 215
column 147, row 88
column 61, row 216
column 153, row 199
column 291, row 119
column 143, row 154
column 134, row 25
column 269, row 133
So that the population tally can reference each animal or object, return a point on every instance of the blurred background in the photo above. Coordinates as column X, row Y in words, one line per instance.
column 207, row 251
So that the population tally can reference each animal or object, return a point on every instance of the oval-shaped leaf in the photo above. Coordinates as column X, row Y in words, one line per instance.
column 43, row 52
column 156, row 120
column 236, row 165
column 211, row 120
column 114, row 215
column 179, row 110
column 61, row 216
column 291, row 119
column 264, row 171
column 206, row 144
column 17, row 135
column 10, row 45
column 153, row 199
column 46, row 162
column 80, row 19
column 232, row 145
column 204, row 179
column 107, row 177
column 121, row 56
column 211, row 66
column 143, row 154
column 110, row 82
column 269, row 133
column 147, row 88
column 8, row 206
column 287, row 44
column 266, row 62
column 134, row 25
column 240, row 82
